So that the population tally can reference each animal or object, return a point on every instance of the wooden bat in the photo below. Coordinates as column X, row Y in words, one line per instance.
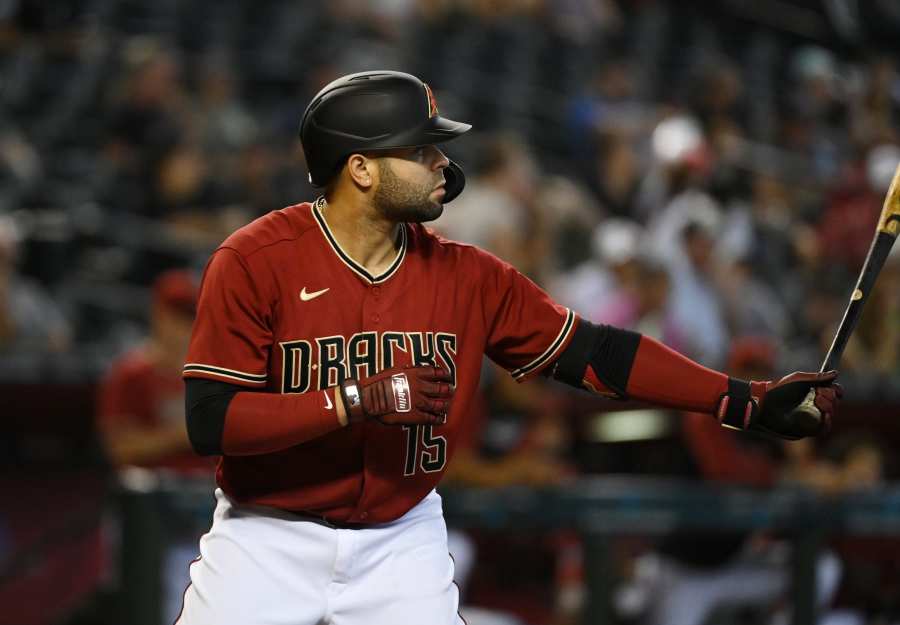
column 885, row 235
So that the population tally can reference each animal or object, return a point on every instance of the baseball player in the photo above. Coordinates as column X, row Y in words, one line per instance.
column 335, row 354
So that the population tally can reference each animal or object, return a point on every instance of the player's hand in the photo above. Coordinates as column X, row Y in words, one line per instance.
column 402, row 396
column 778, row 400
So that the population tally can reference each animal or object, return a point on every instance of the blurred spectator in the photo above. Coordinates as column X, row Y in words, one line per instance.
column 495, row 212
column 266, row 180
column 697, row 306
column 30, row 321
column 185, row 182
column 681, row 164
column 221, row 122
column 718, row 91
column 877, row 112
column 191, row 199
column 665, row 232
column 609, row 109
column 852, row 211
column 582, row 21
column 590, row 287
column 817, row 112
column 617, row 172
column 145, row 125
column 819, row 312
column 815, row 72
column 142, row 398
column 752, row 306
column 772, row 226
column 568, row 215
column 142, row 419
column 644, row 304
column 21, row 166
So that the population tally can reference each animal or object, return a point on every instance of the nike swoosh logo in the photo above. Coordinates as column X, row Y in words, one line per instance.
column 328, row 404
column 308, row 296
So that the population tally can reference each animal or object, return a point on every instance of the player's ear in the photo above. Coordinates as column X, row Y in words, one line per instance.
column 362, row 170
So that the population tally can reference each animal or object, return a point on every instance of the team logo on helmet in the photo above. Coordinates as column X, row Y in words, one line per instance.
column 432, row 103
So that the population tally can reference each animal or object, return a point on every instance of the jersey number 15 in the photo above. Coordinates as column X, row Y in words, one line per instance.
column 424, row 450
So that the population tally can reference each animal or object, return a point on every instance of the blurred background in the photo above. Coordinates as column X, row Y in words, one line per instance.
column 708, row 173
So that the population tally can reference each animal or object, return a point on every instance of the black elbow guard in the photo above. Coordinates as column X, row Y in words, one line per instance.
column 205, row 405
column 609, row 351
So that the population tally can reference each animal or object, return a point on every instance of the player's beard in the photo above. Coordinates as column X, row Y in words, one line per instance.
column 398, row 200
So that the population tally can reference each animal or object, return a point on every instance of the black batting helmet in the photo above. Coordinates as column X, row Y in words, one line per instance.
column 372, row 111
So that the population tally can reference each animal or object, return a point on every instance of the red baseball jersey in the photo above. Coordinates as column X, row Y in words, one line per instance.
column 284, row 309
column 136, row 392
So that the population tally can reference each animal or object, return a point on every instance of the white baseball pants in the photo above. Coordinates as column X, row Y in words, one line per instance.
column 260, row 566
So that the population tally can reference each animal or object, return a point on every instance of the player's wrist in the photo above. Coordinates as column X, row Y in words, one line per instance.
column 737, row 407
column 351, row 401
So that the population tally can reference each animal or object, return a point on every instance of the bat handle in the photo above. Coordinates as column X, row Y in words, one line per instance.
column 807, row 408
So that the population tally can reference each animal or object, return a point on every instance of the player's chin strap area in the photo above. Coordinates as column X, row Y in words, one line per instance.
column 456, row 181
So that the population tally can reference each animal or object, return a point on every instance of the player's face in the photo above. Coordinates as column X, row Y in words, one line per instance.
column 410, row 185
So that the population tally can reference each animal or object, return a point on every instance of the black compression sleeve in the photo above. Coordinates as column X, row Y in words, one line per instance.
column 205, row 405
column 610, row 352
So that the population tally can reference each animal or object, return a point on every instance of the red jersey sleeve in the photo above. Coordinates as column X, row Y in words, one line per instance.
column 526, row 329
column 232, row 332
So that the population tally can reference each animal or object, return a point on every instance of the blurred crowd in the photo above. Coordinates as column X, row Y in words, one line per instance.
column 706, row 173
column 685, row 171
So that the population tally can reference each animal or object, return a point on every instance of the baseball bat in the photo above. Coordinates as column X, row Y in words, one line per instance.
column 885, row 235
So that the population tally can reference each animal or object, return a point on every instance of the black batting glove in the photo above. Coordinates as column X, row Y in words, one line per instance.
column 769, row 407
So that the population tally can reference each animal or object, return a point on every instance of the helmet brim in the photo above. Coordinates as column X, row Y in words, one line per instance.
column 444, row 129
column 434, row 130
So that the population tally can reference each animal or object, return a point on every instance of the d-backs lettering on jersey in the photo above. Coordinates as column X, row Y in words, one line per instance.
column 284, row 309
column 326, row 361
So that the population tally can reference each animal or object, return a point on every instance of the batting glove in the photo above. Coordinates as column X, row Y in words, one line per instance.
column 768, row 407
column 400, row 396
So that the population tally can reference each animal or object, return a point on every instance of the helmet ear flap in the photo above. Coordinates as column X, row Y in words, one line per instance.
column 456, row 181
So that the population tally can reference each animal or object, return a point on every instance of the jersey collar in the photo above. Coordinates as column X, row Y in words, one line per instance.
column 361, row 271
